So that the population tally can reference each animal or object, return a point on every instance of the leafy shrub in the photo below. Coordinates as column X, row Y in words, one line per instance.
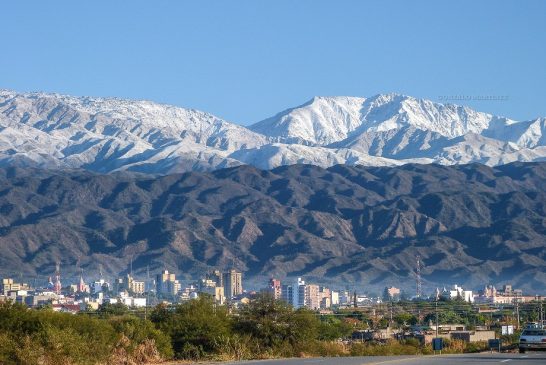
column 190, row 351
column 237, row 347
column 322, row 348
column 139, row 332
column 476, row 347
column 7, row 344
column 390, row 348
column 46, row 337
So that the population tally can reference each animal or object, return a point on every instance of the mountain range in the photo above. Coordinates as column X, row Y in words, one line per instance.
column 345, row 225
column 107, row 135
column 340, row 189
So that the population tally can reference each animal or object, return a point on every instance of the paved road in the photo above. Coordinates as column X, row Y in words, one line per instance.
column 530, row 358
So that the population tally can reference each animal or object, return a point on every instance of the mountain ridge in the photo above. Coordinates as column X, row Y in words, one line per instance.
column 471, row 224
column 111, row 134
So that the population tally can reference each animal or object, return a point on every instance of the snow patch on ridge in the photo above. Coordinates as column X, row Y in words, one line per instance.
column 108, row 134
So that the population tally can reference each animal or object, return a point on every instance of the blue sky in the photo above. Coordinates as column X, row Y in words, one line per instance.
column 246, row 60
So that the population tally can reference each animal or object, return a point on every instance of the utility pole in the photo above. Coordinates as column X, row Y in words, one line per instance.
column 390, row 322
column 436, row 309
column 541, row 315
column 517, row 312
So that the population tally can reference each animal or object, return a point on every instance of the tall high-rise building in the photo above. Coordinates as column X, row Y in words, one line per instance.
column 334, row 297
column 275, row 288
column 301, row 295
column 298, row 297
column 325, row 296
column 131, row 285
column 287, row 294
column 312, row 297
column 233, row 283
column 210, row 287
column 166, row 283
column 217, row 277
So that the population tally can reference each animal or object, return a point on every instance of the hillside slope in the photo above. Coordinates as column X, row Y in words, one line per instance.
column 361, row 226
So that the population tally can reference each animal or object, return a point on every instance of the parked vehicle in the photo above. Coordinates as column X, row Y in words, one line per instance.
column 532, row 339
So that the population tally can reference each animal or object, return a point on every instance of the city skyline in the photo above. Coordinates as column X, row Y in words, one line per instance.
column 246, row 182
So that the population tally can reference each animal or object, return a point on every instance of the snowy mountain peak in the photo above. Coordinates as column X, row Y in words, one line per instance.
column 321, row 121
column 110, row 134
column 447, row 119
column 325, row 120
column 112, row 107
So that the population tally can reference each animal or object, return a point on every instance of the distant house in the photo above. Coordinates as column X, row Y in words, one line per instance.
column 459, row 292
column 67, row 308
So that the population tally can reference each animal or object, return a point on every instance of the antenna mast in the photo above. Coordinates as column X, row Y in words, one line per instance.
column 57, row 287
column 419, row 291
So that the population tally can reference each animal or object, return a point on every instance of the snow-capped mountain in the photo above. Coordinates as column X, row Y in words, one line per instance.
column 319, row 121
column 110, row 134
column 107, row 134
column 326, row 120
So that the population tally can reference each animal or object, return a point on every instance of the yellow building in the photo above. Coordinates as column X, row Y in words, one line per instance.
column 9, row 285
column 166, row 284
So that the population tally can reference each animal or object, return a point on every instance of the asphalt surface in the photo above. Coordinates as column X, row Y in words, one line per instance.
column 530, row 358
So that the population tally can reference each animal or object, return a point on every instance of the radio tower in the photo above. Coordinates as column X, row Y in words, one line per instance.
column 57, row 286
column 418, row 274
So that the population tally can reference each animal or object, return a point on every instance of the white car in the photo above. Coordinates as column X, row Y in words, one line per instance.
column 532, row 339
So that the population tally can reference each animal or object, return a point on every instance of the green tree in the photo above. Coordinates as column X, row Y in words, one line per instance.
column 115, row 309
column 161, row 313
column 193, row 326
column 304, row 326
column 274, row 323
column 445, row 316
column 405, row 319
column 332, row 328
column 266, row 319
